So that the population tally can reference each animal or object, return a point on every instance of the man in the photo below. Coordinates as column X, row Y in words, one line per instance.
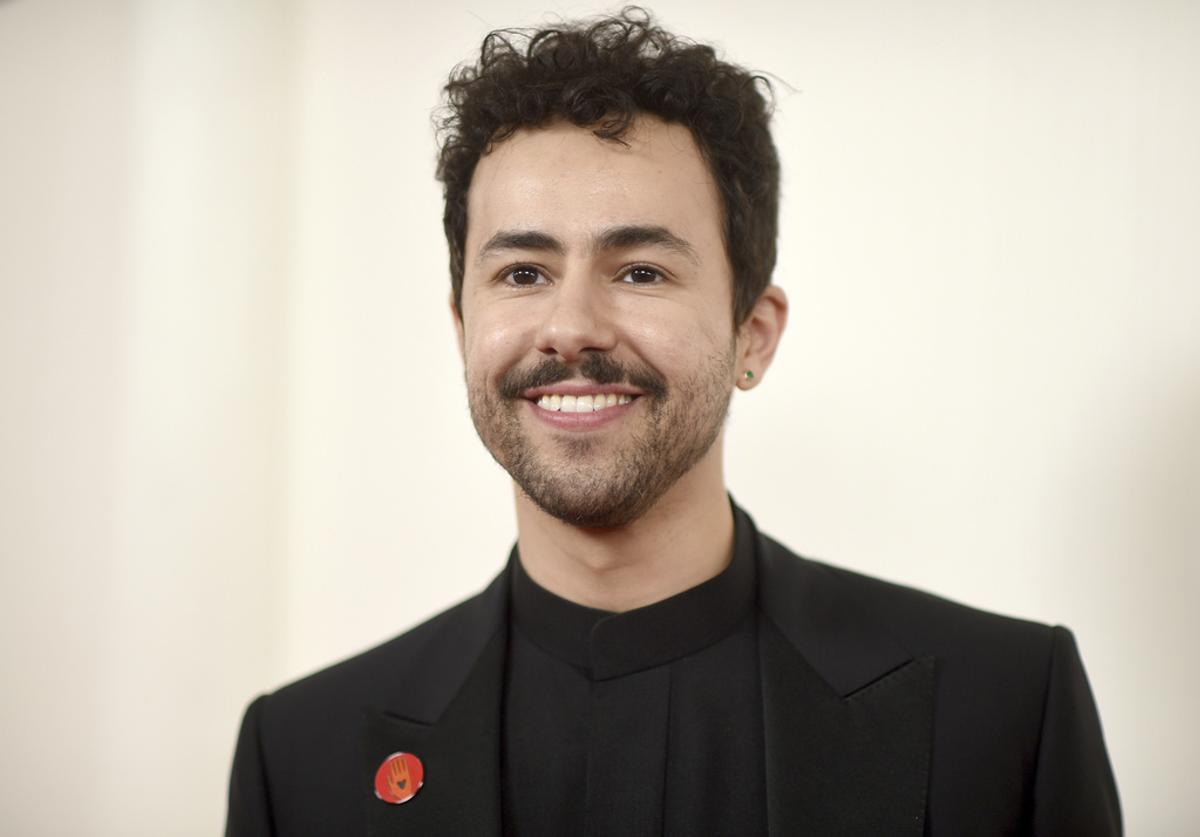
column 648, row 663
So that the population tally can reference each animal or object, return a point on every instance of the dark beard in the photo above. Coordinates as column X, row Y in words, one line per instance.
column 677, row 431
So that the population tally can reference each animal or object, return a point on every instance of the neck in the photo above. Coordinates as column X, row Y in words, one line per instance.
column 683, row 540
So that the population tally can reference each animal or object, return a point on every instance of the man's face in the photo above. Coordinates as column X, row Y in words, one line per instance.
column 595, row 273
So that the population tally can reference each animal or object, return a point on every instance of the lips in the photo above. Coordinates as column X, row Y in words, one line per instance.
column 579, row 406
column 580, row 397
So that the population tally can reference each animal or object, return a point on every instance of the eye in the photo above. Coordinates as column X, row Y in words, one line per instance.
column 642, row 275
column 523, row 276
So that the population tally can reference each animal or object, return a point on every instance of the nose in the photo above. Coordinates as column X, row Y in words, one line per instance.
column 578, row 319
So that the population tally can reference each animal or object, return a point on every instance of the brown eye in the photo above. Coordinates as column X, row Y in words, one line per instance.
column 642, row 275
column 524, row 276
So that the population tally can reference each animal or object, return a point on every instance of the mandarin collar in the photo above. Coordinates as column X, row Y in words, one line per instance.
column 606, row 644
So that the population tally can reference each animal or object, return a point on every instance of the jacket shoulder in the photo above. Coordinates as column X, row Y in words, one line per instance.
column 1016, row 732
column 924, row 623
column 300, row 749
column 413, row 669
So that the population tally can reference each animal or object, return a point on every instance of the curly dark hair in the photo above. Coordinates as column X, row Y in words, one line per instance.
column 602, row 74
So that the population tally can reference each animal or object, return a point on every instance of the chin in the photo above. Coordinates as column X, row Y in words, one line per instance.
column 587, row 510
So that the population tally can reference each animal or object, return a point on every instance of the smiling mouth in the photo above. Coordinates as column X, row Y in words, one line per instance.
column 583, row 403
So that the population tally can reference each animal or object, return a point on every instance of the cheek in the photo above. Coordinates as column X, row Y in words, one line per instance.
column 674, row 339
column 492, row 345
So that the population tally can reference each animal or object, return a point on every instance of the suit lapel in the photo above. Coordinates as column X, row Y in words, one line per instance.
column 448, row 715
column 847, row 712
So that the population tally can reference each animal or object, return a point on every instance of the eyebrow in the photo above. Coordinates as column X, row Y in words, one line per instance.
column 520, row 240
column 614, row 238
column 635, row 235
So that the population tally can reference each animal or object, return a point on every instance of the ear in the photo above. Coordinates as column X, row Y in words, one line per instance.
column 458, row 328
column 758, row 336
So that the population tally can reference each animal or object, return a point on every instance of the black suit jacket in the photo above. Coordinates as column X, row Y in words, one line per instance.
column 886, row 711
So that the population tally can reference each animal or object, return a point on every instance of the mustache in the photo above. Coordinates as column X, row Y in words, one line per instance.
column 595, row 367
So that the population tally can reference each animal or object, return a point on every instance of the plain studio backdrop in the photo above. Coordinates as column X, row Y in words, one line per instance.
column 234, row 442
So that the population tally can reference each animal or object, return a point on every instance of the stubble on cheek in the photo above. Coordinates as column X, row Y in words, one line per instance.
column 496, row 421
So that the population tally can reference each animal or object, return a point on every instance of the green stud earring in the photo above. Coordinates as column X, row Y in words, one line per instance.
column 749, row 375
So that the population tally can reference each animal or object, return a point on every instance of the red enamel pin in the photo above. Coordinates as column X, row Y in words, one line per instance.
column 399, row 778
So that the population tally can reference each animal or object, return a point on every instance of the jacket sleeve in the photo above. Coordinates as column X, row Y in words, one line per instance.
column 249, row 802
column 1074, row 789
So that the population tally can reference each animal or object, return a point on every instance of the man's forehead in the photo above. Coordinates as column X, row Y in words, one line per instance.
column 563, row 176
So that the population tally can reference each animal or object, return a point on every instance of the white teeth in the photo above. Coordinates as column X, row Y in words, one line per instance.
column 582, row 403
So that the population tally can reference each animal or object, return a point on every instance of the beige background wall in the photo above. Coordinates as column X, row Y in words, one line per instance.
column 234, row 444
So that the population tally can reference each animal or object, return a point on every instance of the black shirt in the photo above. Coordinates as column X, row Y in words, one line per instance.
column 647, row 722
